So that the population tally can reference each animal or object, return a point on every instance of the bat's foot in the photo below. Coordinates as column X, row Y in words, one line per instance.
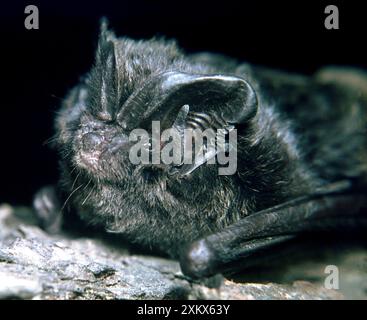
column 47, row 208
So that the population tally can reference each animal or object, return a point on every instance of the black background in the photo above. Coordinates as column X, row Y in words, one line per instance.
column 38, row 67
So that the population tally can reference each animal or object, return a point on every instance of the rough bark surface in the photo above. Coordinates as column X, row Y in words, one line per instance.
column 37, row 265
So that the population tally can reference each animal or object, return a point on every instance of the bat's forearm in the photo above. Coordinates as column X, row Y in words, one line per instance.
column 323, row 211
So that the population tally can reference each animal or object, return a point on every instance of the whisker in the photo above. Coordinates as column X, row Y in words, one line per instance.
column 86, row 186
column 72, row 170
column 85, row 200
column 66, row 155
column 53, row 138
column 56, row 97
column 66, row 201
column 76, row 178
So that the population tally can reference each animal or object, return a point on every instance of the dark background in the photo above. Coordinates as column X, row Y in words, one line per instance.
column 38, row 67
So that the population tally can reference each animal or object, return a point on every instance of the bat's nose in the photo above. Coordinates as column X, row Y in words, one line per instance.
column 91, row 141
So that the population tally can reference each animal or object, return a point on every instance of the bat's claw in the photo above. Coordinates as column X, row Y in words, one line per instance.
column 198, row 260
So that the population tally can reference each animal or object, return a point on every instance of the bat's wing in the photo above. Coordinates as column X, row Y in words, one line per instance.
column 246, row 239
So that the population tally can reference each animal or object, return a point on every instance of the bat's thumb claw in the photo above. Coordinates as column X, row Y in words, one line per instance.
column 198, row 260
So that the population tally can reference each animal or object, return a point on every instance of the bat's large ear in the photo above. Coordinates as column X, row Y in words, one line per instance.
column 103, row 81
column 231, row 99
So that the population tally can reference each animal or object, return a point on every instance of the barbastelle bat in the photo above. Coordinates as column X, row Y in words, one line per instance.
column 301, row 153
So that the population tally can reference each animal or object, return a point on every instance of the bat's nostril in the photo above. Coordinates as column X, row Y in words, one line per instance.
column 91, row 141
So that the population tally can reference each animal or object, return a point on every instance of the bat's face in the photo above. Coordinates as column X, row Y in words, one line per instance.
column 133, row 86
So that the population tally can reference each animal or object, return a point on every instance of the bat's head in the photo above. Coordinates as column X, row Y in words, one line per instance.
column 142, row 85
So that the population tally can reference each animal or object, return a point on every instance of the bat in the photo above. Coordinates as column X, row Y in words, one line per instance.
column 301, row 152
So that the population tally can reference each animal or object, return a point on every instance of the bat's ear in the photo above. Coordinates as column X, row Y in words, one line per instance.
column 103, row 80
column 230, row 98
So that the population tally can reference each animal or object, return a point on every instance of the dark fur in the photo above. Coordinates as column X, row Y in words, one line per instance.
column 307, row 132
